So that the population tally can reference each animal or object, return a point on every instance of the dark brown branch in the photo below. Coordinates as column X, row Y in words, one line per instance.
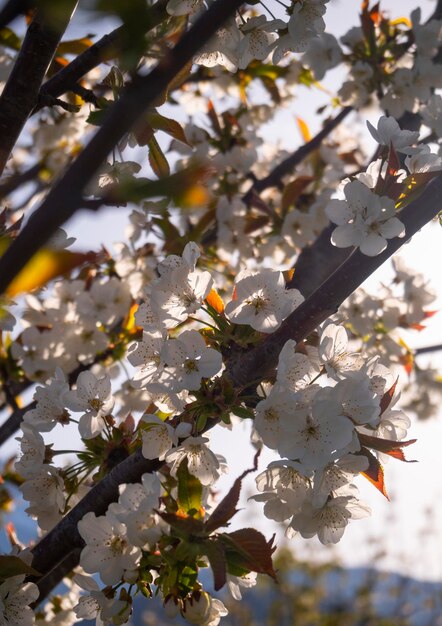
column 285, row 167
column 326, row 300
column 428, row 349
column 12, row 9
column 15, row 181
column 12, row 423
column 48, row 582
column 20, row 94
column 317, row 262
column 66, row 196
column 103, row 50
column 57, row 545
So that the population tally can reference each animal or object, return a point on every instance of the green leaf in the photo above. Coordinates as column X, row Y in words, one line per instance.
column 242, row 412
column 9, row 39
column 74, row 46
column 96, row 118
column 157, row 159
column 184, row 526
column 167, row 125
column 14, row 566
column 190, row 490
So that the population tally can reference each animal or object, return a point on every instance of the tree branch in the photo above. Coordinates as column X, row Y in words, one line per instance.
column 14, row 181
column 428, row 349
column 12, row 9
column 20, row 94
column 285, row 167
column 103, row 50
column 327, row 298
column 66, row 196
column 56, row 546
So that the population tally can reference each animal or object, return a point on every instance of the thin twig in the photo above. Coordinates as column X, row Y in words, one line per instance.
column 428, row 349
column 285, row 167
column 103, row 50
column 15, row 181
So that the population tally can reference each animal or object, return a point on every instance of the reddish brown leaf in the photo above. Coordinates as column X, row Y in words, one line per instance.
column 255, row 551
column 226, row 509
column 216, row 553
column 394, row 163
column 387, row 446
column 293, row 190
column 214, row 118
column 375, row 472
column 388, row 396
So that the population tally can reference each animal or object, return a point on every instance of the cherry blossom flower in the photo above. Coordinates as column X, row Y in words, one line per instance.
column 201, row 461
column 333, row 352
column 295, row 370
column 364, row 219
column 50, row 409
column 159, row 436
column 322, row 54
column 15, row 598
column 188, row 360
column 314, row 434
column 306, row 23
column 44, row 491
column 423, row 161
column 177, row 293
column 270, row 414
column 388, row 133
column 334, row 476
column 329, row 521
column 222, row 49
column 107, row 549
column 146, row 356
column 94, row 396
column 32, row 452
column 261, row 300
column 257, row 40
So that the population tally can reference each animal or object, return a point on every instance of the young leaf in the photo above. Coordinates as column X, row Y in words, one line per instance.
column 184, row 526
column 226, row 508
column 45, row 265
column 387, row 446
column 388, row 396
column 157, row 159
column 167, row 125
column 14, row 566
column 216, row 553
column 190, row 491
column 375, row 472
column 253, row 550
column 214, row 300
column 74, row 46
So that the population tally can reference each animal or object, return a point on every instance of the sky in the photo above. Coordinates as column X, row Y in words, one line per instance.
column 410, row 525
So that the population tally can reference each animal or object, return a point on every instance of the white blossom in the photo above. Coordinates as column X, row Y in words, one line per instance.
column 261, row 300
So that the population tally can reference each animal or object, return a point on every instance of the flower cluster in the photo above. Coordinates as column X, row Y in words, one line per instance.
column 318, row 431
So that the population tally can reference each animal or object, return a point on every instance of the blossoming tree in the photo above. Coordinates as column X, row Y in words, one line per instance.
column 233, row 297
